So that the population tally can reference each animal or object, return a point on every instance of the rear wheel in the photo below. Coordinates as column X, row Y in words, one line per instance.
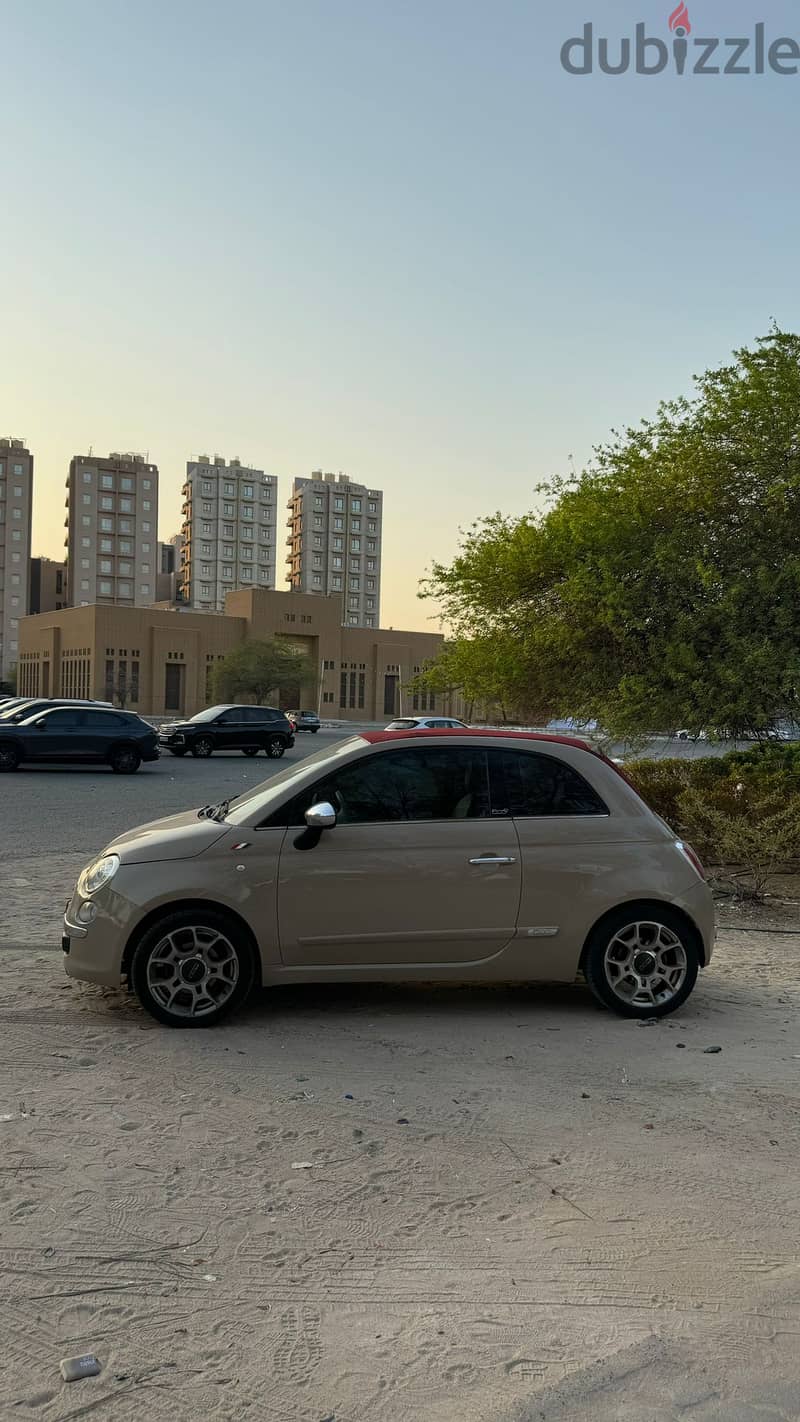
column 203, row 747
column 275, row 747
column 125, row 760
column 249, row 750
column 192, row 968
column 314, row 730
column 9, row 757
column 642, row 962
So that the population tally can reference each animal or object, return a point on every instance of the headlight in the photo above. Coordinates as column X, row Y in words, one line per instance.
column 98, row 873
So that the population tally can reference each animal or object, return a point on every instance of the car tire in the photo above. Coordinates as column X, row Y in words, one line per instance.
column 642, row 960
column 178, row 753
column 203, row 747
column 314, row 730
column 9, row 757
column 221, row 976
column 275, row 747
column 250, row 750
column 125, row 761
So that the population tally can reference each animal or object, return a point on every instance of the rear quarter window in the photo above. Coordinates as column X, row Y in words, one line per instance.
column 529, row 785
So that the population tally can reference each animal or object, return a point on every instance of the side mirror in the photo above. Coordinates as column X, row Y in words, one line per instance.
column 320, row 817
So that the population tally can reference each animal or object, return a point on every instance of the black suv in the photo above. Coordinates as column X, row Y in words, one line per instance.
column 245, row 728
column 81, row 733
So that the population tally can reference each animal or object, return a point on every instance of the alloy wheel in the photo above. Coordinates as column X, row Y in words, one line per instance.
column 645, row 964
column 193, row 971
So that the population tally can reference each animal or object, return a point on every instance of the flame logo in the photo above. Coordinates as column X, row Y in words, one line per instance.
column 679, row 19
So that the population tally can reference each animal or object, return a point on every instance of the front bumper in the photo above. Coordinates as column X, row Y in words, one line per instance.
column 92, row 952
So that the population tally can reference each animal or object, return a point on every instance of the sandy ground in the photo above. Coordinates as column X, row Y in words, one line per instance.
column 528, row 1209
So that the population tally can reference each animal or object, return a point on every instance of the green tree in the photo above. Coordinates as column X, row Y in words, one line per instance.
column 254, row 670
column 660, row 587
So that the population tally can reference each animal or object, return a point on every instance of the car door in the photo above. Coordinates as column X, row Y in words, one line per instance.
column 229, row 731
column 98, row 732
column 568, row 845
column 416, row 870
column 53, row 736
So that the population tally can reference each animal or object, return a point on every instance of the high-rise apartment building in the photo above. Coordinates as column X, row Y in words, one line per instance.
column 169, row 558
column 16, row 499
column 47, row 585
column 229, row 523
column 112, row 530
column 335, row 533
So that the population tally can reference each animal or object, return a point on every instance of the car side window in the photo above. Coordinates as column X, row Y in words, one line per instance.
column 229, row 718
column 423, row 783
column 63, row 720
column 530, row 785
column 102, row 720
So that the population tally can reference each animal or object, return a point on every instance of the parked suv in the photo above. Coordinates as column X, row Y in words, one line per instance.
column 245, row 728
column 401, row 855
column 79, row 733
column 304, row 721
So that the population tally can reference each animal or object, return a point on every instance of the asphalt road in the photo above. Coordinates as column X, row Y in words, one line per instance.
column 80, row 808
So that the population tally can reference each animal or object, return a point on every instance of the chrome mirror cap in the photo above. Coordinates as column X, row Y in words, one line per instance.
column 322, row 816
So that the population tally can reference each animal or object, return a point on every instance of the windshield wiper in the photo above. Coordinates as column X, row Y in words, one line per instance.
column 216, row 812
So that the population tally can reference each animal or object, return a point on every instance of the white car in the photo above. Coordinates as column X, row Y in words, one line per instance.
column 426, row 723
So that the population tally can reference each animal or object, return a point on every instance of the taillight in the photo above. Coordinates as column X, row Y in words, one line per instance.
column 690, row 854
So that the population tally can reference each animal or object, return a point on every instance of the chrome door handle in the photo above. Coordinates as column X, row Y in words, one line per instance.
column 494, row 859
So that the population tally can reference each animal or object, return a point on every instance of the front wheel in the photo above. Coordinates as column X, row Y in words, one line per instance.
column 275, row 747
column 125, row 761
column 9, row 757
column 203, row 747
column 314, row 730
column 642, row 962
column 192, row 968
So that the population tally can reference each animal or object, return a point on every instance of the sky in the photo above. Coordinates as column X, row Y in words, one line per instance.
column 388, row 237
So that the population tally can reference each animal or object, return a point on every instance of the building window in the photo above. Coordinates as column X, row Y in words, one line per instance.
column 362, row 686
column 353, row 619
column 227, row 572
column 247, row 511
column 87, row 499
column 317, row 580
column 228, row 490
column 87, row 476
column 227, row 530
column 338, row 523
column 126, row 485
column 205, row 590
column 144, row 589
column 372, row 507
column 106, row 565
column 105, row 589
column 343, row 690
column 145, row 528
column 125, row 525
column 84, row 585
column 125, row 589
column 317, row 540
column 247, row 533
column 355, row 545
column 206, row 528
column 87, row 542
column 247, row 552
column 370, row 604
column 355, row 525
column 227, row 510
column 106, row 502
column 206, row 508
column 336, row 582
column 355, row 584
column 125, row 546
column 372, row 526
column 370, row 565
column 146, row 483
column 125, row 570
column 206, row 486
column 247, row 574
column 353, row 600
column 248, row 491
column 355, row 506
column 338, row 502
column 106, row 481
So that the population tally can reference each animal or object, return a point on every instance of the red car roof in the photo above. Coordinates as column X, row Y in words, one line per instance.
column 375, row 736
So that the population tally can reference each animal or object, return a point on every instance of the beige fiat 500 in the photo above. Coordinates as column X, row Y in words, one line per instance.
column 434, row 855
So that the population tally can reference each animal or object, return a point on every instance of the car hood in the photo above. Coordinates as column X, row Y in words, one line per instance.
column 174, row 726
column 181, row 836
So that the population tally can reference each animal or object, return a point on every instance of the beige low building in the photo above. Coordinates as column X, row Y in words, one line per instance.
column 160, row 660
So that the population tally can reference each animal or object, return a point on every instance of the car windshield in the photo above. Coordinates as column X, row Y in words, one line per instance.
column 210, row 714
column 269, row 793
